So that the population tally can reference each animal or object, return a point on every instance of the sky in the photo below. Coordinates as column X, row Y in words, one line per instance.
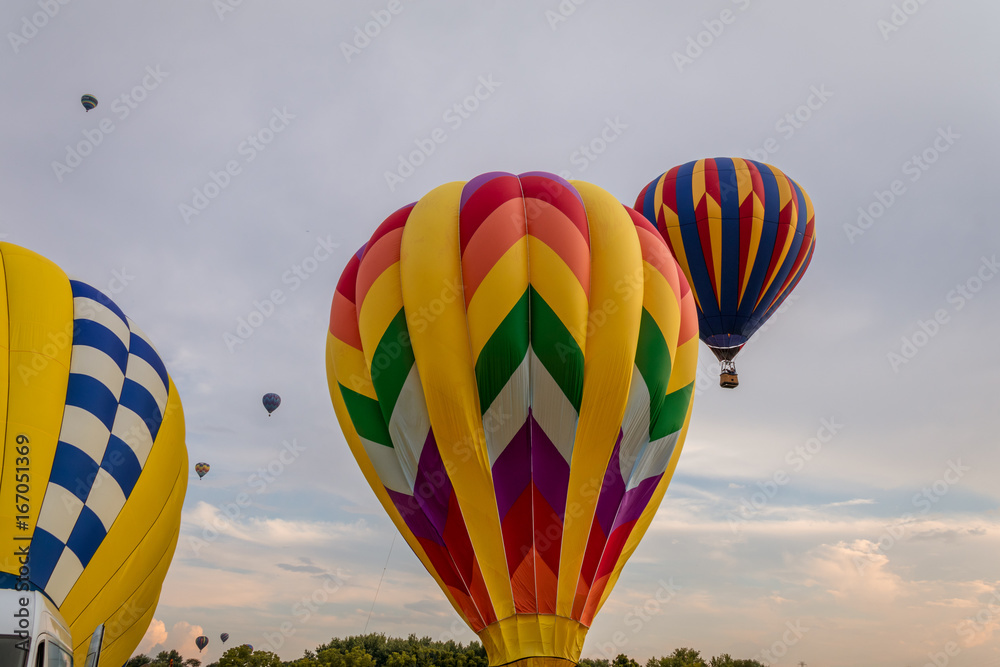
column 839, row 508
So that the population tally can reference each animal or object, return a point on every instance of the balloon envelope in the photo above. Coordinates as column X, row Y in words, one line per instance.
column 271, row 402
column 202, row 469
column 743, row 233
column 88, row 102
column 224, row 637
column 201, row 643
column 458, row 339
column 91, row 410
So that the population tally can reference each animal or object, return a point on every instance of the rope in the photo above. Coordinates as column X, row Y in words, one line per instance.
column 379, row 584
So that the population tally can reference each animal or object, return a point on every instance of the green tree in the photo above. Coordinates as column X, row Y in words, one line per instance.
column 595, row 662
column 681, row 657
column 242, row 656
column 138, row 660
column 622, row 660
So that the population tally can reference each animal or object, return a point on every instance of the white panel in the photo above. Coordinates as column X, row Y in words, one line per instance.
column 60, row 510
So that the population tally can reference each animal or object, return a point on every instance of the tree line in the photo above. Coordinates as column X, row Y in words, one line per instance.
column 377, row 650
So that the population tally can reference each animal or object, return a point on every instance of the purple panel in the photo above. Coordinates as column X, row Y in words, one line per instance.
column 479, row 181
column 361, row 250
column 432, row 487
column 550, row 469
column 612, row 490
column 636, row 500
column 414, row 517
column 553, row 177
column 512, row 470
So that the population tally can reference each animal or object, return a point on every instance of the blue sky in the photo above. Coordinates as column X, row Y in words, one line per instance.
column 883, row 111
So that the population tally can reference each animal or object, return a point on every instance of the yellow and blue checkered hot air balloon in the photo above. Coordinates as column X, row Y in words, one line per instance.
column 95, row 429
column 743, row 233
column 512, row 362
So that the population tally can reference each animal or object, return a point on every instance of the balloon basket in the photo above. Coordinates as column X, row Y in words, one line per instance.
column 729, row 380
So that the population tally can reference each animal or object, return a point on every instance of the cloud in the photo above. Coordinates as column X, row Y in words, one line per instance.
column 848, row 503
column 156, row 634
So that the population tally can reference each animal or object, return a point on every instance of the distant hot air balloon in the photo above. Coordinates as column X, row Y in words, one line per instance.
column 271, row 402
column 201, row 643
column 89, row 403
column 88, row 101
column 458, row 339
column 249, row 647
column 202, row 469
column 744, row 234
column 224, row 637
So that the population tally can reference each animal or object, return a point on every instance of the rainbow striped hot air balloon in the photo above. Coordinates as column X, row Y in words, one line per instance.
column 743, row 233
column 88, row 102
column 512, row 362
column 202, row 469
column 91, row 413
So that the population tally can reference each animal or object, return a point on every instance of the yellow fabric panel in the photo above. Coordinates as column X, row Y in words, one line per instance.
column 352, row 368
column 530, row 636
column 39, row 343
column 117, row 651
column 138, row 538
column 677, row 248
column 381, row 305
column 497, row 295
column 786, row 197
column 660, row 300
column 685, row 365
column 358, row 449
column 744, row 187
column 4, row 383
column 608, row 363
column 646, row 518
column 430, row 263
column 127, row 623
column 558, row 286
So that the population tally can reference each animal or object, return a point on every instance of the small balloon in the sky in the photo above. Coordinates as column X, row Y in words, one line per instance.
column 271, row 402
column 202, row 470
column 201, row 643
column 224, row 637
column 88, row 101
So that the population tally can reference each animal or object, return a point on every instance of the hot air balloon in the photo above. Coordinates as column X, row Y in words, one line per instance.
column 201, row 643
column 743, row 233
column 88, row 102
column 202, row 469
column 249, row 647
column 90, row 409
column 271, row 403
column 224, row 637
column 458, row 339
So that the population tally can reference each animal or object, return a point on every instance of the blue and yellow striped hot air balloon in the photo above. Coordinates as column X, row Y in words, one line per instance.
column 512, row 362
column 88, row 102
column 93, row 419
column 743, row 233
